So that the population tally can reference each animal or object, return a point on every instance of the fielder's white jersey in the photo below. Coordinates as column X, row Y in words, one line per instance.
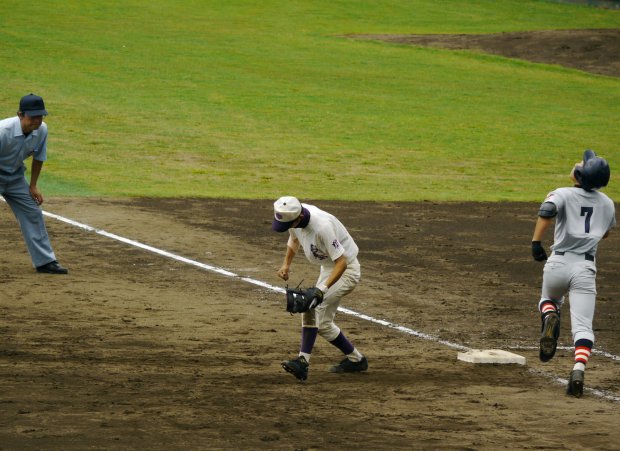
column 324, row 239
column 583, row 218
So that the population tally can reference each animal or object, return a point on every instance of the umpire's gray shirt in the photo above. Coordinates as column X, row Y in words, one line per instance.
column 15, row 147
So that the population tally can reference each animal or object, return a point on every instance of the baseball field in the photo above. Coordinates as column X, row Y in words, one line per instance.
column 433, row 130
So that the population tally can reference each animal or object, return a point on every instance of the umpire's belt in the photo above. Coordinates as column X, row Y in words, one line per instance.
column 588, row 257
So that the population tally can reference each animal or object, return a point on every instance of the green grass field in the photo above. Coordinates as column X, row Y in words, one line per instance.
column 252, row 99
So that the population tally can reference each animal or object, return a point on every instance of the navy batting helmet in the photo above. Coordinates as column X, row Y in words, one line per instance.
column 594, row 173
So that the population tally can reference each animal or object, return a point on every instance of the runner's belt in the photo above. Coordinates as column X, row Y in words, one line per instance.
column 588, row 257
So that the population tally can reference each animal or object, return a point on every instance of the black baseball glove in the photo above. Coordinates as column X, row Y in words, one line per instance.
column 299, row 300
column 538, row 252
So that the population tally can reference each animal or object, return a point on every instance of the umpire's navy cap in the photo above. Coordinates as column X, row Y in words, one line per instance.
column 32, row 105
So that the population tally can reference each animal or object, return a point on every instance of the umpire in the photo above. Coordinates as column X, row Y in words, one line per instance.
column 20, row 137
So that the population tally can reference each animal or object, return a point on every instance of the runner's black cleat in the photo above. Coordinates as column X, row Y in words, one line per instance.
column 549, row 336
column 575, row 383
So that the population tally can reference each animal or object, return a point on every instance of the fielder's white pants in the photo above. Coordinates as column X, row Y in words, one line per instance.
column 323, row 316
column 572, row 274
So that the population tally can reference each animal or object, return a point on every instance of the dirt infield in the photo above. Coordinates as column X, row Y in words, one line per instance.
column 133, row 350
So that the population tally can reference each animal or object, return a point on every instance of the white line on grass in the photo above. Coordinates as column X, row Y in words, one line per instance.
column 600, row 393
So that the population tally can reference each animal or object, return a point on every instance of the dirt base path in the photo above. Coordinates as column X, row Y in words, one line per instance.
column 133, row 350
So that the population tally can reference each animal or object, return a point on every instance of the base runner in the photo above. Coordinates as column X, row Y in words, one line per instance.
column 583, row 217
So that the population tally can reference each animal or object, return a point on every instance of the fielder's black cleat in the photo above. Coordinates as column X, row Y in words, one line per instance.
column 348, row 366
column 52, row 268
column 297, row 367
column 549, row 336
column 575, row 383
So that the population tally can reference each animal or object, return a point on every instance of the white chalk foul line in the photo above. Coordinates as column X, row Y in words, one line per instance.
column 161, row 252
column 571, row 348
column 606, row 394
column 600, row 393
column 404, row 329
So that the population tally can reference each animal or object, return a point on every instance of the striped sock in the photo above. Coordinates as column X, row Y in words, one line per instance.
column 547, row 306
column 583, row 350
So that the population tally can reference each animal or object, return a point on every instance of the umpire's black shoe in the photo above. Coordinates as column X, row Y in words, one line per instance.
column 348, row 366
column 297, row 367
column 549, row 336
column 52, row 268
column 575, row 383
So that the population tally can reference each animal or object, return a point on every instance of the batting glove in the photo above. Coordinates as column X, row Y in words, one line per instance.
column 538, row 252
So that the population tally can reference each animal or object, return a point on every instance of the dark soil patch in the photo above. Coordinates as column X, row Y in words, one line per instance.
column 595, row 51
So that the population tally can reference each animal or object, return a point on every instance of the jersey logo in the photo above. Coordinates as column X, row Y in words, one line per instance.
column 318, row 254
column 336, row 244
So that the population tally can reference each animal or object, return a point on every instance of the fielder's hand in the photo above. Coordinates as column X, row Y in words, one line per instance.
column 283, row 272
column 315, row 295
column 538, row 252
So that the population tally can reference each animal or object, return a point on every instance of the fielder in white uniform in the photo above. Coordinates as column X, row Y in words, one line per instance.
column 325, row 242
column 583, row 216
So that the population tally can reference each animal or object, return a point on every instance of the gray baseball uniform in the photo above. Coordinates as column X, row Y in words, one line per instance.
column 583, row 219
